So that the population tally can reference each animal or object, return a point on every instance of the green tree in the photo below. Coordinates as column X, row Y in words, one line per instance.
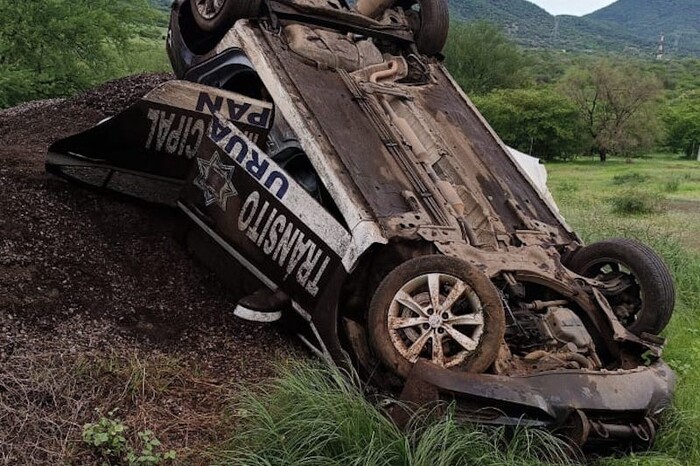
column 57, row 47
column 536, row 121
column 618, row 104
column 682, row 120
column 481, row 58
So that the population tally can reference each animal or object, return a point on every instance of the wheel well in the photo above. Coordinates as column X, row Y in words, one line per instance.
column 356, row 294
column 372, row 267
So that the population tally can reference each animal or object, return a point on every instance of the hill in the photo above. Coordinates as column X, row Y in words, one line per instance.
column 626, row 26
column 527, row 23
column 678, row 20
column 629, row 26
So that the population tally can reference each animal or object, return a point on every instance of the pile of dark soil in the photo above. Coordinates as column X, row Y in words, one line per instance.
column 101, row 307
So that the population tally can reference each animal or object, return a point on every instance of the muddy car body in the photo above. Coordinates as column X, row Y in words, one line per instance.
column 335, row 158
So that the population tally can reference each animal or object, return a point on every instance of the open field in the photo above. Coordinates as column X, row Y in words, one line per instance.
column 585, row 191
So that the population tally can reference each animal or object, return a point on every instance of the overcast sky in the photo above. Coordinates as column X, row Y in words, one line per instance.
column 572, row 7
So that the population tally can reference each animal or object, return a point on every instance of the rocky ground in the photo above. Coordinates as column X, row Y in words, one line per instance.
column 102, row 308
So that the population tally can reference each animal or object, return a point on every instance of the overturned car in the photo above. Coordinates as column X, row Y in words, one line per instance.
column 326, row 151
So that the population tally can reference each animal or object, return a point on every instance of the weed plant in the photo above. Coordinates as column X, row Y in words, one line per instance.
column 672, row 185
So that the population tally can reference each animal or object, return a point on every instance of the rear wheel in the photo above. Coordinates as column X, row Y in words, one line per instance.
column 440, row 309
column 218, row 15
column 639, row 285
column 430, row 21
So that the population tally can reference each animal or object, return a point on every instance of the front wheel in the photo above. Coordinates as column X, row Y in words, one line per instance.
column 638, row 284
column 440, row 309
column 216, row 16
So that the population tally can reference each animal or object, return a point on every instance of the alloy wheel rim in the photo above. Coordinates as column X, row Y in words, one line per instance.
column 436, row 316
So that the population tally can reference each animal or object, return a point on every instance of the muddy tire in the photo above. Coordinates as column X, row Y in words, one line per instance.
column 646, row 300
column 215, row 16
column 430, row 24
column 438, row 308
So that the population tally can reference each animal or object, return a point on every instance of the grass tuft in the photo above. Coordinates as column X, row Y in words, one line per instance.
column 633, row 178
column 314, row 415
column 672, row 185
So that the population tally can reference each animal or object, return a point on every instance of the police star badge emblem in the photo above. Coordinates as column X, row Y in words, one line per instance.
column 214, row 180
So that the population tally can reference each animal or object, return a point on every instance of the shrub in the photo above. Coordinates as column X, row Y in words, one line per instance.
column 539, row 122
column 53, row 48
column 107, row 439
column 482, row 58
column 636, row 202
column 682, row 119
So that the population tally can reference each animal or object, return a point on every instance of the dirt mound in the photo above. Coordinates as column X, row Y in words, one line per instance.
column 40, row 123
column 101, row 307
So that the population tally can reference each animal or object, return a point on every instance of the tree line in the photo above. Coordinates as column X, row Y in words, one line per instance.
column 55, row 48
column 550, row 104
column 557, row 106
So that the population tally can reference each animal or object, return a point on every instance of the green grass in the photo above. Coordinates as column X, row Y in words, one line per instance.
column 313, row 415
column 147, row 55
column 653, row 172
column 142, row 55
column 588, row 191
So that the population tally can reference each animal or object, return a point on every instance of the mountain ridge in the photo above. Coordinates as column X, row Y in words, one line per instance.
column 677, row 20
column 626, row 26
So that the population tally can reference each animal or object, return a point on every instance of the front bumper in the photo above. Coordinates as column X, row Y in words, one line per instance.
column 603, row 404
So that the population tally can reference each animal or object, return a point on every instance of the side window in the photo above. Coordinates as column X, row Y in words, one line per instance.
column 245, row 81
column 285, row 149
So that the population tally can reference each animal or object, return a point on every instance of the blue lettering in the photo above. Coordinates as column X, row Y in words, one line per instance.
column 204, row 100
column 218, row 130
column 255, row 167
column 283, row 185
